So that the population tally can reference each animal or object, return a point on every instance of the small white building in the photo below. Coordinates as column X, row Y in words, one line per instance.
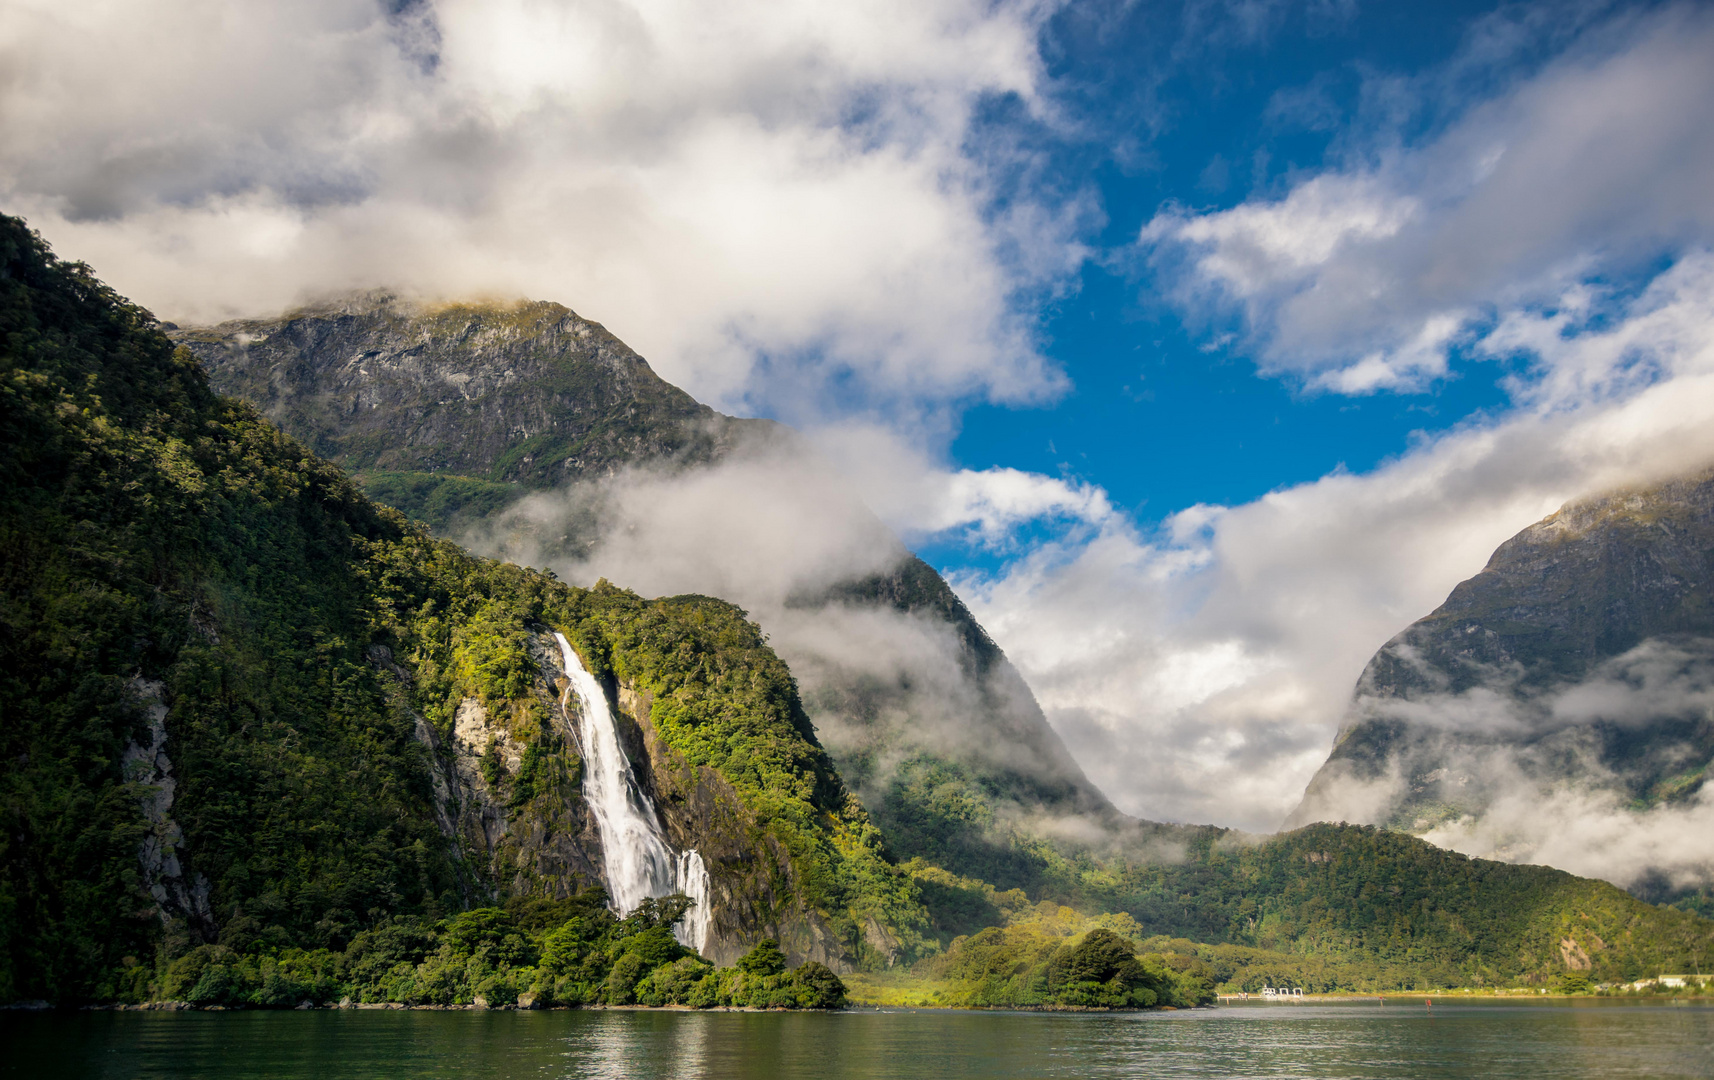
column 1282, row 992
column 1671, row 981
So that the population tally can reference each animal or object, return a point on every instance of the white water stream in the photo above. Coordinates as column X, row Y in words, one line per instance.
column 638, row 861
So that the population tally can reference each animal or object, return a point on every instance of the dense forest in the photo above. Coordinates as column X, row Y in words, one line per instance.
column 1334, row 908
column 535, row 953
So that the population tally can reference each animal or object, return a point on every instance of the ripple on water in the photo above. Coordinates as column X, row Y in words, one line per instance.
column 1350, row 1041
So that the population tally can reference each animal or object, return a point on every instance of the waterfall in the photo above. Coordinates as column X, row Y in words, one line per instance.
column 692, row 881
column 638, row 862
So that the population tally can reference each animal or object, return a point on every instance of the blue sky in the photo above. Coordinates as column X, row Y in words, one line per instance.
column 1207, row 109
column 1204, row 344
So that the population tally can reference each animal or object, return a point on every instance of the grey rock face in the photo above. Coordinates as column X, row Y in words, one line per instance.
column 1582, row 655
column 436, row 406
column 148, row 767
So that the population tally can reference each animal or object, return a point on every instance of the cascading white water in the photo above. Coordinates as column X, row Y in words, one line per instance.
column 638, row 862
column 692, row 881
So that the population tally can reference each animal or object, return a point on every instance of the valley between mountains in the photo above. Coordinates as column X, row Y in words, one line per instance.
column 302, row 705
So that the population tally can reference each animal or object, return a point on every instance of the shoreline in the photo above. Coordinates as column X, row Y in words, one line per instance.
column 1450, row 995
column 379, row 1006
column 1223, row 1000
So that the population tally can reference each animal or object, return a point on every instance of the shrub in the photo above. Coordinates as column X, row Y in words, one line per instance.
column 622, row 980
column 818, row 987
column 765, row 959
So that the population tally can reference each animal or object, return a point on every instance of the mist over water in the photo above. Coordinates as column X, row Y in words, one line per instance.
column 638, row 862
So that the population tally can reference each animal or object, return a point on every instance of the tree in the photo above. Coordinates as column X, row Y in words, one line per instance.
column 763, row 960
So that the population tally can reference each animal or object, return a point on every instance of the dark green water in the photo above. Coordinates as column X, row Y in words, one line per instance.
column 1479, row 1040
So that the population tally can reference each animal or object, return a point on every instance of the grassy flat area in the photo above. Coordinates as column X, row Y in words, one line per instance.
column 898, row 989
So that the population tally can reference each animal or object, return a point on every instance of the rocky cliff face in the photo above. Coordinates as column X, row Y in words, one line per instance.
column 453, row 410
column 454, row 413
column 526, row 831
column 754, row 886
column 1580, row 659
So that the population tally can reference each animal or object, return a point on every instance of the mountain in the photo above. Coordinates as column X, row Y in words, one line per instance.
column 453, row 411
column 527, row 432
column 268, row 742
column 1578, row 662
column 255, row 719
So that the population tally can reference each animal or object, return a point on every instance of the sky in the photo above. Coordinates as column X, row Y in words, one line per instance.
column 1203, row 345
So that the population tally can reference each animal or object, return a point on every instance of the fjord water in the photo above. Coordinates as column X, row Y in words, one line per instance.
column 639, row 863
column 1403, row 1039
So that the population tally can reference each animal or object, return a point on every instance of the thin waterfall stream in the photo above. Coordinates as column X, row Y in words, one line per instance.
column 639, row 862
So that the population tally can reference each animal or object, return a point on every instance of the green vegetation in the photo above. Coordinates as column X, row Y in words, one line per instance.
column 1334, row 907
column 1023, row 967
column 165, row 549
column 533, row 953
column 1533, row 917
column 445, row 502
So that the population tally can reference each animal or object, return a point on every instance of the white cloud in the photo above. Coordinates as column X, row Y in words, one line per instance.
column 1257, row 248
column 1591, row 833
column 770, row 200
column 1358, row 278
column 992, row 503
column 1198, row 672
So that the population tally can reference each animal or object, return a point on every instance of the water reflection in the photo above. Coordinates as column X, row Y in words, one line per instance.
column 1454, row 1041
column 640, row 1046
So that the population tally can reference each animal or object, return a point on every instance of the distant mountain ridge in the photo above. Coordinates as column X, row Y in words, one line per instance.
column 1582, row 655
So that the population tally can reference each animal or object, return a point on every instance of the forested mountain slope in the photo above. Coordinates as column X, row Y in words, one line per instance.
column 456, row 413
column 249, row 711
column 1325, row 907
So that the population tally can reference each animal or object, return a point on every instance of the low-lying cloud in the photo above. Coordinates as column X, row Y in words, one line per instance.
column 1199, row 670
column 1595, row 774
column 772, row 201
column 774, row 529
column 1593, row 833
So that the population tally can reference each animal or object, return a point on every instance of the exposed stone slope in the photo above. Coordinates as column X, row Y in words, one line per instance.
column 1580, row 655
column 415, row 398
